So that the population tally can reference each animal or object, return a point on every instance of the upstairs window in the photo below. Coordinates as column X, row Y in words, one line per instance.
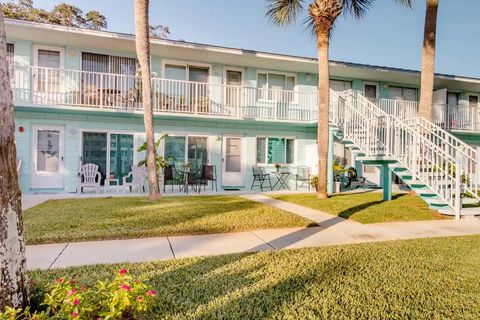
column 103, row 63
column 271, row 86
column 186, row 73
column 275, row 150
column 340, row 86
column 401, row 93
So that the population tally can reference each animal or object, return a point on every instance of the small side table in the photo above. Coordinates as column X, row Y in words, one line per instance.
column 108, row 184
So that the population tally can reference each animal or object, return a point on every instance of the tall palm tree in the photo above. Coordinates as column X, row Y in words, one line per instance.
column 142, row 42
column 13, row 274
column 322, row 15
column 428, row 59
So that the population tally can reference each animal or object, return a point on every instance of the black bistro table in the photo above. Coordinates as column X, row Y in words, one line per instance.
column 189, row 179
column 282, row 177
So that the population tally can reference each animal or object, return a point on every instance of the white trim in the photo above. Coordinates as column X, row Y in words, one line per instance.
column 227, row 68
column 61, row 153
column 186, row 136
column 109, row 132
column 243, row 159
column 61, row 50
column 185, row 64
column 266, row 149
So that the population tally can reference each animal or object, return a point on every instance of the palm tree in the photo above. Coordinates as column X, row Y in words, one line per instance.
column 322, row 15
column 142, row 41
column 13, row 274
column 428, row 59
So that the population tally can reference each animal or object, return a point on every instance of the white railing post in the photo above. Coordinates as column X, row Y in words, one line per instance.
column 458, row 190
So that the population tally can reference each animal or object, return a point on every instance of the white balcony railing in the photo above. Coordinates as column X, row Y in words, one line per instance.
column 62, row 87
column 449, row 117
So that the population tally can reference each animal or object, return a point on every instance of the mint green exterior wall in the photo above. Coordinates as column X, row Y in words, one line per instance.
column 75, row 122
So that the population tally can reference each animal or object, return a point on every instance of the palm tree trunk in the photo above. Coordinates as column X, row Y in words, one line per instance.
column 13, row 276
column 142, row 41
column 428, row 60
column 323, row 107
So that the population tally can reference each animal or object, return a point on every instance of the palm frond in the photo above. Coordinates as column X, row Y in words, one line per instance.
column 357, row 8
column 406, row 3
column 282, row 12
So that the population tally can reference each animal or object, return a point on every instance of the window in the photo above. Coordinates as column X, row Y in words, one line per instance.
column 401, row 93
column 275, row 150
column 191, row 149
column 452, row 98
column 186, row 73
column 339, row 85
column 271, row 84
column 109, row 64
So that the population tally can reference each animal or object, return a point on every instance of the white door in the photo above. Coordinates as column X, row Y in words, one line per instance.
column 233, row 166
column 371, row 91
column 47, row 157
column 233, row 93
column 439, row 107
column 48, row 75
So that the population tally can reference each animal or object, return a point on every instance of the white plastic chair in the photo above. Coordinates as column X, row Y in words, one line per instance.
column 90, row 177
column 138, row 175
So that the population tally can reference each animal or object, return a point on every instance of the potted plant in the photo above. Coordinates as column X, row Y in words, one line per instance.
column 338, row 174
column 160, row 161
column 187, row 166
column 314, row 182
column 277, row 167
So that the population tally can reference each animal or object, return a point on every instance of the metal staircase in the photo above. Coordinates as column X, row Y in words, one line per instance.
column 431, row 161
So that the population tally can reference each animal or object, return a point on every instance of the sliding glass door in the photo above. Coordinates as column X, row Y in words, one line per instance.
column 181, row 149
column 95, row 151
column 112, row 153
column 121, row 155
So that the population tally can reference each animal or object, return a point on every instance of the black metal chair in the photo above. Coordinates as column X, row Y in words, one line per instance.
column 303, row 175
column 170, row 175
column 209, row 173
column 261, row 177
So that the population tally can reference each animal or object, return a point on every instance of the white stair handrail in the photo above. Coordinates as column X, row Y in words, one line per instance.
column 378, row 134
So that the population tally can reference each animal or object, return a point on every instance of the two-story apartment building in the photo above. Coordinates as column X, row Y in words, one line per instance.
column 76, row 97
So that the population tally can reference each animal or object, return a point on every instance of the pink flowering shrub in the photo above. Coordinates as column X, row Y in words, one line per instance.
column 121, row 298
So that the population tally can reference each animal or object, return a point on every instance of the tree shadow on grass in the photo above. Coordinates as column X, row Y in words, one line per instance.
column 347, row 213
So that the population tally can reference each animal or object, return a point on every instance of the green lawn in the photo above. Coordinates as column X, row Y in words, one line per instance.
column 136, row 217
column 367, row 207
column 415, row 279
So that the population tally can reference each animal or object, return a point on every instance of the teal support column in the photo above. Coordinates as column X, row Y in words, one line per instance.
column 387, row 182
column 330, row 182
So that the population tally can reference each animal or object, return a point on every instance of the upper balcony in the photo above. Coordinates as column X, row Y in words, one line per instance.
column 40, row 86
column 464, row 116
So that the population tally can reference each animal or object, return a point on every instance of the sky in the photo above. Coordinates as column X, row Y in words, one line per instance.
column 389, row 35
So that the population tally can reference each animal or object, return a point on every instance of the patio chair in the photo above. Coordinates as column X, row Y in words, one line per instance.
column 354, row 181
column 170, row 175
column 209, row 173
column 89, row 177
column 137, row 176
column 261, row 177
column 303, row 176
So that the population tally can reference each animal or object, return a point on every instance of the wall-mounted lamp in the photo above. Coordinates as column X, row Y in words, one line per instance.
column 21, row 129
column 308, row 77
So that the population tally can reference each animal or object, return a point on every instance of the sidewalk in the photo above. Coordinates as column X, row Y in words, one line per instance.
column 332, row 230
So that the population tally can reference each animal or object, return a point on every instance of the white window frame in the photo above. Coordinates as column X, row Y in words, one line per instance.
column 241, row 70
column 109, row 133
column 403, row 93
column 36, row 48
column 266, row 149
column 286, row 74
column 186, row 64
column 186, row 136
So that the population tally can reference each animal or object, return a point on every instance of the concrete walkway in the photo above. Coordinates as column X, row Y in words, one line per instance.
column 332, row 230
